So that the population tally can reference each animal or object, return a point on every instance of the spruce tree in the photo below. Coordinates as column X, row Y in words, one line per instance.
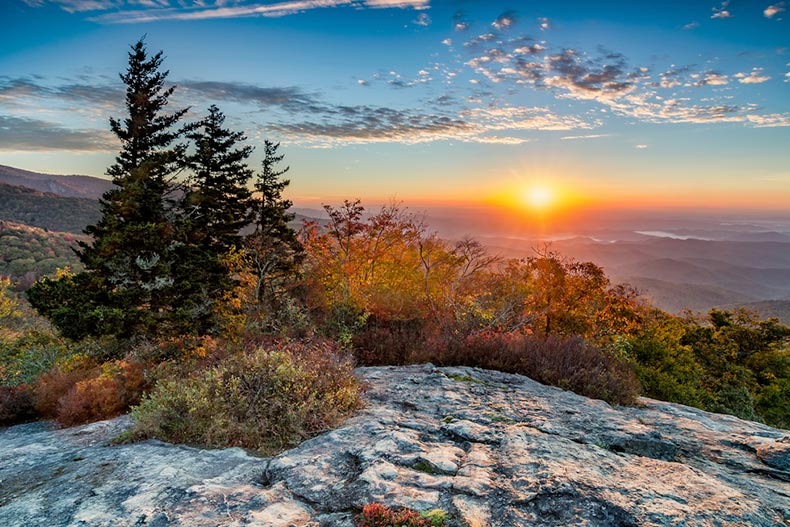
column 215, row 208
column 127, row 286
column 274, row 247
column 217, row 203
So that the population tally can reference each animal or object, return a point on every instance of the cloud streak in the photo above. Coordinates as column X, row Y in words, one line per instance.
column 773, row 10
column 35, row 135
column 142, row 11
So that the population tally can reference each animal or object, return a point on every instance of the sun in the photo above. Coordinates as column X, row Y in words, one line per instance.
column 539, row 197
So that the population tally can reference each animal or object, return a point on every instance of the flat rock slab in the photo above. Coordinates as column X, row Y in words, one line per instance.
column 492, row 449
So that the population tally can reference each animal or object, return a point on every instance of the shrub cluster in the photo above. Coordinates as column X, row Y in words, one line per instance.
column 570, row 363
column 86, row 392
column 567, row 362
column 265, row 400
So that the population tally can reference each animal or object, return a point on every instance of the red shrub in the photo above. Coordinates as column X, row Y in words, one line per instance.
column 377, row 515
column 56, row 383
column 569, row 363
column 388, row 342
column 107, row 395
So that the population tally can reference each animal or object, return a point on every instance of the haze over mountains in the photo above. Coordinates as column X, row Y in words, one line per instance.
column 678, row 260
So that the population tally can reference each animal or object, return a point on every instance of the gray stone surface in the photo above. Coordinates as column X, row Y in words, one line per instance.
column 500, row 451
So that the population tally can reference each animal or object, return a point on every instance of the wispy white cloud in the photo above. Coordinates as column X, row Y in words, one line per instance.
column 691, row 25
column 773, row 10
column 588, row 136
column 640, row 146
column 22, row 134
column 524, row 118
column 770, row 120
column 709, row 78
column 413, row 4
column 422, row 20
column 504, row 21
column 755, row 77
column 544, row 23
column 722, row 11
column 140, row 11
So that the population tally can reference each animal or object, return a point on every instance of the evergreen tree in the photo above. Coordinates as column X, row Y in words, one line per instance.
column 217, row 203
column 274, row 247
column 128, row 284
column 216, row 207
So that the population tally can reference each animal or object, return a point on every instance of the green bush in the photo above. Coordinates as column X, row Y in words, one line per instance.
column 266, row 400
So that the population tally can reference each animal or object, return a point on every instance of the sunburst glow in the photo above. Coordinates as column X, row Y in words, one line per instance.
column 539, row 197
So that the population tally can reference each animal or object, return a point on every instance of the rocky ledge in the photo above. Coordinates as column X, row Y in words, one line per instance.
column 491, row 449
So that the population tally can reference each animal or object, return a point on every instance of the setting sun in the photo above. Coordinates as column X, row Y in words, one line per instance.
column 539, row 197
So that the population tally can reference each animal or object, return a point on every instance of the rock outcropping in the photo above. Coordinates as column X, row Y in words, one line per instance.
column 491, row 449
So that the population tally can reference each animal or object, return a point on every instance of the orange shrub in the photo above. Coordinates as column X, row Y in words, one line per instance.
column 110, row 394
column 56, row 383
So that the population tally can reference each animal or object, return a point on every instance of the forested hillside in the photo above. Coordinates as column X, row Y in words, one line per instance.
column 28, row 253
column 45, row 210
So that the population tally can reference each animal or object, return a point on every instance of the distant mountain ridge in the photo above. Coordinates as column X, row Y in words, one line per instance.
column 67, row 186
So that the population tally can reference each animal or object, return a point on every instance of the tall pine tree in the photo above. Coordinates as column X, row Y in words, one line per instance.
column 215, row 208
column 127, row 286
column 274, row 247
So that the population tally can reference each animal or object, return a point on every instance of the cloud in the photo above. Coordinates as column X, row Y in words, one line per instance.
column 770, row 120
column 140, row 11
column 521, row 118
column 422, row 20
column 24, row 134
column 722, row 11
column 495, row 140
column 640, row 147
column 603, row 78
column 74, row 6
column 402, row 4
column 461, row 26
column 588, row 136
column 544, row 23
column 691, row 25
column 289, row 98
column 710, row 78
column 755, row 77
column 504, row 21
column 773, row 10
column 369, row 124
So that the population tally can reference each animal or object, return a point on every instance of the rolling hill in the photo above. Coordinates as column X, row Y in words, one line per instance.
column 67, row 186
column 46, row 210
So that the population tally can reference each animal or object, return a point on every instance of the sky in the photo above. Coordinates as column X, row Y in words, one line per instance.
column 523, row 105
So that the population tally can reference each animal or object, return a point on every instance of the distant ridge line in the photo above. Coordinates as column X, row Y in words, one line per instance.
column 74, row 186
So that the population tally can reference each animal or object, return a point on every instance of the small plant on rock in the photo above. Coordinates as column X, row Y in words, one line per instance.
column 378, row 515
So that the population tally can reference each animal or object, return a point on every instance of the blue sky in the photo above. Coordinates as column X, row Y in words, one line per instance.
column 663, row 103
